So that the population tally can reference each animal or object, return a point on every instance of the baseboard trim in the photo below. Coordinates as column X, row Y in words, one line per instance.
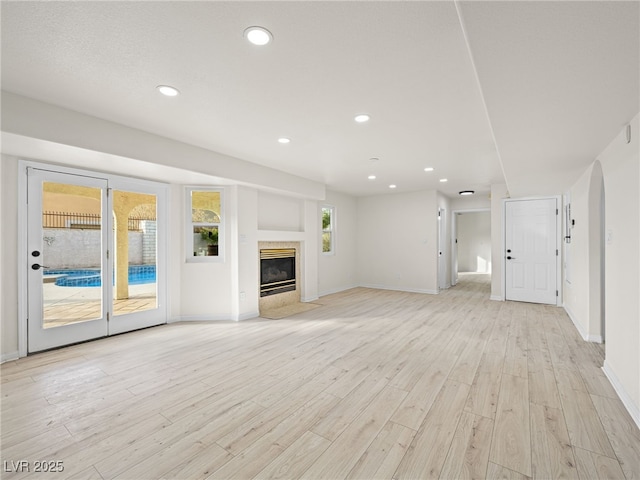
column 595, row 338
column 247, row 316
column 634, row 410
column 576, row 324
column 202, row 318
column 309, row 299
column 496, row 298
column 336, row 290
column 9, row 357
column 399, row 289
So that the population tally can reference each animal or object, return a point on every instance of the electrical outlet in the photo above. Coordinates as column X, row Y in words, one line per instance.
column 243, row 296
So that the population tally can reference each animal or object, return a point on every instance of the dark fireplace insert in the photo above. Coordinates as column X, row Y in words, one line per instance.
column 277, row 271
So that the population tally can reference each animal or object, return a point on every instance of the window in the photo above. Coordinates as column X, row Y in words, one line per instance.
column 205, row 231
column 328, row 237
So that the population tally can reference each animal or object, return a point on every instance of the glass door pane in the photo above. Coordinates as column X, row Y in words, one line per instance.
column 72, row 249
column 135, row 252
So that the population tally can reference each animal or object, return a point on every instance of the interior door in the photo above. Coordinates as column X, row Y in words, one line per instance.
column 67, row 241
column 531, row 250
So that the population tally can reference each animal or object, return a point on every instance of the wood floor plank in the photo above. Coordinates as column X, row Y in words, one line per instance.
column 583, row 423
column 552, row 456
column 338, row 460
column 515, row 359
column 469, row 452
column 417, row 403
column 483, row 397
column 592, row 466
column 260, row 453
column 200, row 465
column 297, row 458
column 543, row 389
column 465, row 368
column 338, row 419
column 498, row 472
column 511, row 442
column 621, row 432
column 384, row 454
column 596, row 381
column 427, row 453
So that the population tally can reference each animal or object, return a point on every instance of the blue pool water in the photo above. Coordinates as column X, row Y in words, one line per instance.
column 138, row 274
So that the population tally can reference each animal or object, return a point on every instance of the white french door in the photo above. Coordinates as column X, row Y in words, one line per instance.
column 531, row 250
column 95, row 249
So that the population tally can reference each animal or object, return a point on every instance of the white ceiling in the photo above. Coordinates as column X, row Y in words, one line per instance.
column 481, row 91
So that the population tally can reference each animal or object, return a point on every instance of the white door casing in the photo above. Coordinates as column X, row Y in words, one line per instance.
column 531, row 250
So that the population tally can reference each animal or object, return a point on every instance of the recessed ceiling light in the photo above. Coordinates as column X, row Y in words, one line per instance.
column 258, row 35
column 167, row 90
column 392, row 186
column 466, row 192
column 362, row 117
column 443, row 180
column 284, row 140
column 428, row 169
column 371, row 177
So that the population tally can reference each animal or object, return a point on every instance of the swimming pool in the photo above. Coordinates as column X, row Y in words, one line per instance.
column 90, row 277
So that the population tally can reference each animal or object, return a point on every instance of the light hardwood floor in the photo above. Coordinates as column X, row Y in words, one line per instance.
column 373, row 384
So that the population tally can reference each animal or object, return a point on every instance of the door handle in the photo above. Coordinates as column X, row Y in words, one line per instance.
column 511, row 258
column 37, row 266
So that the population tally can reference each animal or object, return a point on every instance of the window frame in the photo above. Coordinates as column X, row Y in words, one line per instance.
column 331, row 230
column 190, row 224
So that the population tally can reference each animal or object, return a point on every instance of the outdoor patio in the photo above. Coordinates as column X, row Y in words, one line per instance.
column 65, row 305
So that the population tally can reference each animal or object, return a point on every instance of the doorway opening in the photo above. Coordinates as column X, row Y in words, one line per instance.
column 471, row 242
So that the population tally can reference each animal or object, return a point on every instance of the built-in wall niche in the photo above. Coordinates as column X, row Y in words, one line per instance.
column 280, row 213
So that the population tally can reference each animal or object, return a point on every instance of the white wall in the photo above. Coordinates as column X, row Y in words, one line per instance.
column 498, row 193
column 472, row 202
column 576, row 259
column 474, row 241
column 9, row 270
column 621, row 169
column 337, row 271
column 397, row 241
column 245, row 246
column 582, row 255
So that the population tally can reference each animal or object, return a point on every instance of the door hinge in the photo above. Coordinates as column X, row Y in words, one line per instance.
column 556, row 252
column 556, row 293
column 108, row 190
column 107, row 316
column 107, row 254
column 556, row 211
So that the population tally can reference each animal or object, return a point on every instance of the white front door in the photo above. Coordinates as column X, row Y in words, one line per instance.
column 531, row 250
column 96, row 257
